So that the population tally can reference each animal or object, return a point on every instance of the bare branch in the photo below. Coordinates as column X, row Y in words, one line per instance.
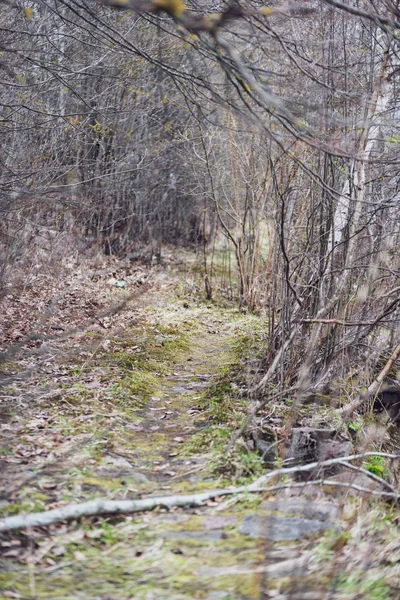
column 102, row 507
column 347, row 410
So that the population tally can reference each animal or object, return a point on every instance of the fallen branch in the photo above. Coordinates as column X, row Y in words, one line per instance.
column 347, row 410
column 372, row 476
column 109, row 507
column 333, row 483
column 115, row 507
column 318, row 464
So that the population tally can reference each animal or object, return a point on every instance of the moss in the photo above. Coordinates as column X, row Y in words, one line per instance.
column 27, row 506
column 105, row 484
column 10, row 510
column 378, row 465
column 8, row 368
column 140, row 383
column 153, row 366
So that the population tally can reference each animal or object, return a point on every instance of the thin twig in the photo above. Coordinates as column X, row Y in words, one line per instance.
column 371, row 476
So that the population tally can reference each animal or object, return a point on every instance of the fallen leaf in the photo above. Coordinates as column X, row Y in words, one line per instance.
column 79, row 556
column 11, row 553
column 161, row 467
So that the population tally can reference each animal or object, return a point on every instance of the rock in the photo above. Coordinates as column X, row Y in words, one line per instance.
column 294, row 566
column 387, row 401
column 288, row 568
column 265, row 443
column 178, row 389
column 118, row 461
column 349, row 478
column 174, row 517
column 309, row 444
column 281, row 553
column 281, row 529
column 199, row 384
column 321, row 511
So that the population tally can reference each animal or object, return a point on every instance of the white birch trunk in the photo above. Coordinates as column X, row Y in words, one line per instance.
column 377, row 105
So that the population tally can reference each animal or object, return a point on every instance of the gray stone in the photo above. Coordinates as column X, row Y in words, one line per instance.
column 173, row 517
column 118, row 461
column 199, row 384
column 387, row 401
column 291, row 567
column 265, row 442
column 348, row 479
column 280, row 529
column 321, row 511
column 286, row 568
column 281, row 553
column 310, row 444
column 178, row 389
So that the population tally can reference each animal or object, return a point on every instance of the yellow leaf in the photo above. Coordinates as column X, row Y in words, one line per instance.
column 173, row 7
column 28, row 13
column 267, row 11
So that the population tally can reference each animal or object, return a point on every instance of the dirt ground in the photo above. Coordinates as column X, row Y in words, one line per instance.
column 128, row 389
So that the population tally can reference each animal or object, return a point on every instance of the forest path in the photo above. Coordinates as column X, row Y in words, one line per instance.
column 129, row 416
column 171, row 414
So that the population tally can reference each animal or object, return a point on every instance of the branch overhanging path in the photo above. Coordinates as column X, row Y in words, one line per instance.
column 209, row 22
column 213, row 24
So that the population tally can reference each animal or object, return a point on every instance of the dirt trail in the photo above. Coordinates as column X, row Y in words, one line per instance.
column 128, row 421
column 169, row 418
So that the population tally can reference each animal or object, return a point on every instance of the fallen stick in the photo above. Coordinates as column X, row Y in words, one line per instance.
column 115, row 507
column 109, row 507
column 348, row 409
